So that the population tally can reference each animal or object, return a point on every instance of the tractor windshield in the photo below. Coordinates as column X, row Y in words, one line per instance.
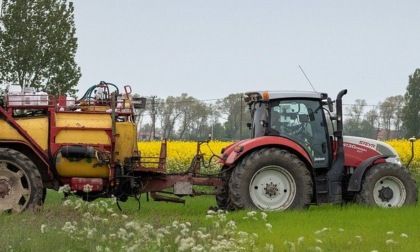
column 301, row 120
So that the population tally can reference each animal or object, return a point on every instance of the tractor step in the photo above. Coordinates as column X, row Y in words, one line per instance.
column 321, row 188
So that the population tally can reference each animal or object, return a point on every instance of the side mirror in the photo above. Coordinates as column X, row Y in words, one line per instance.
column 330, row 104
column 139, row 102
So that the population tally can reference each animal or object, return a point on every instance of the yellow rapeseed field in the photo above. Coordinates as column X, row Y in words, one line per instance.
column 403, row 147
column 180, row 153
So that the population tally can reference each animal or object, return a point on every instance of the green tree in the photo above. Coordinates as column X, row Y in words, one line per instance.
column 389, row 112
column 233, row 107
column 38, row 45
column 411, row 110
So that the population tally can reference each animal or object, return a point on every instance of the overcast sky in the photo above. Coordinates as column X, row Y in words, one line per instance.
column 210, row 49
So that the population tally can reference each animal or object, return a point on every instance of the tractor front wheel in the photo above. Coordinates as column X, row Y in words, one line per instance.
column 271, row 179
column 20, row 183
column 222, row 199
column 387, row 185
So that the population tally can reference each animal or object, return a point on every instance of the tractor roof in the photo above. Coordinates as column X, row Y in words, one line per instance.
column 270, row 95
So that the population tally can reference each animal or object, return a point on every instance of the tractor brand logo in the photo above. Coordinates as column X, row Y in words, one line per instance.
column 370, row 145
column 318, row 159
column 355, row 147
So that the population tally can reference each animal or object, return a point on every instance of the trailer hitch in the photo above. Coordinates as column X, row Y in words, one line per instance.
column 159, row 197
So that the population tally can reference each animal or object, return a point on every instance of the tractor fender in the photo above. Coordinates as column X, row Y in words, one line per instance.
column 356, row 178
column 242, row 148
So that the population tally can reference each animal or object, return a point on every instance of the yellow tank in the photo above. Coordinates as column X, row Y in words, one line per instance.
column 83, row 167
column 82, row 128
column 36, row 127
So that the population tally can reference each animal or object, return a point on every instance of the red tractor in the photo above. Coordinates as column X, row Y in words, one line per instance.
column 298, row 156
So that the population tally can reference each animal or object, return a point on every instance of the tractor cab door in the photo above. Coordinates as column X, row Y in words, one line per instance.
column 303, row 121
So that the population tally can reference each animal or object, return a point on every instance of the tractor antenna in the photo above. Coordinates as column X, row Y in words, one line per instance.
column 301, row 69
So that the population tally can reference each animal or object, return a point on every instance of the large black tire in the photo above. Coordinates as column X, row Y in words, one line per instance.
column 387, row 185
column 271, row 179
column 20, row 183
column 223, row 200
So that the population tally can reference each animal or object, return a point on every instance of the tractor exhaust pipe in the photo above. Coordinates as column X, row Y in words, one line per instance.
column 335, row 174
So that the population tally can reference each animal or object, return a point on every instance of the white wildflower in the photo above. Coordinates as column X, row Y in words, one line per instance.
column 291, row 246
column 318, row 249
column 90, row 233
column 132, row 225
column 211, row 212
column 251, row 213
column 318, row 241
column 264, row 216
column 68, row 227
column 198, row 248
column 65, row 189
column 87, row 188
column 122, row 234
column 43, row 226
column 269, row 247
column 231, row 224
column 390, row 242
column 133, row 248
column 175, row 224
column 404, row 235
column 300, row 240
column 186, row 244
column 103, row 204
column 269, row 227
column 359, row 238
column 67, row 203
column 390, row 232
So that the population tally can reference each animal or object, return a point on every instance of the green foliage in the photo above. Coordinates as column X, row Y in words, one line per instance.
column 234, row 107
column 355, row 125
column 38, row 45
column 411, row 112
column 362, row 129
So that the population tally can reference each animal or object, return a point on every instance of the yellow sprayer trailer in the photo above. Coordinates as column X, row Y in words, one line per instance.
column 88, row 144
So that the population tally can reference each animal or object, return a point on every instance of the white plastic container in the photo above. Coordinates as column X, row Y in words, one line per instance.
column 14, row 88
column 42, row 98
column 14, row 99
column 29, row 99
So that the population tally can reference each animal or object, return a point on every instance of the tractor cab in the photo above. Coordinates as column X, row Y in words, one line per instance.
column 299, row 116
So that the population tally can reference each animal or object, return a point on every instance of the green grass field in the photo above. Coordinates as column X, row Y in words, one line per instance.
column 73, row 225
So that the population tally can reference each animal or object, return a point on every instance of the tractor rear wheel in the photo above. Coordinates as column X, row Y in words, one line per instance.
column 20, row 183
column 271, row 179
column 387, row 185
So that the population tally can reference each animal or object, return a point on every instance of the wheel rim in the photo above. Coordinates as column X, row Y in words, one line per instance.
column 272, row 188
column 14, row 188
column 389, row 192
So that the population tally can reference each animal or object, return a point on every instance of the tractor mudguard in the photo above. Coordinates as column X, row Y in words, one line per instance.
column 245, row 147
column 357, row 176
